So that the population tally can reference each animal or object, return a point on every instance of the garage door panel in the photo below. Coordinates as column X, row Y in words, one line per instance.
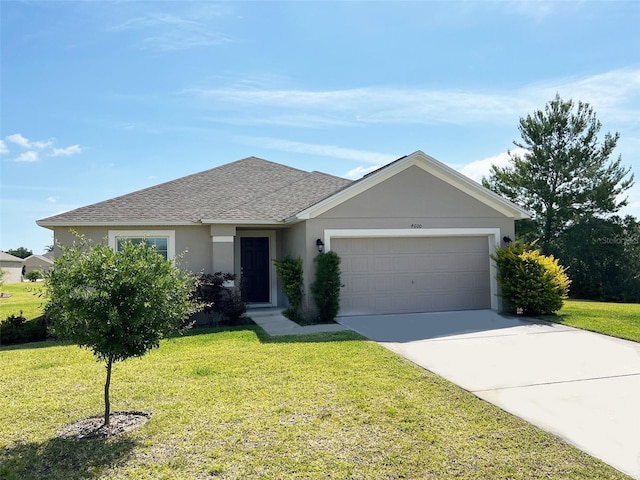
column 414, row 274
column 358, row 284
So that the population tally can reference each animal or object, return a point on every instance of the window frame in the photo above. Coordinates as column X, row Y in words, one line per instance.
column 170, row 235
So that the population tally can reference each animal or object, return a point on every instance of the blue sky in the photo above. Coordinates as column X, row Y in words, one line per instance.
column 100, row 99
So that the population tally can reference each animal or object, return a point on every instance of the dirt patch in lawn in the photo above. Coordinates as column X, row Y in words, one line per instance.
column 93, row 427
column 5, row 295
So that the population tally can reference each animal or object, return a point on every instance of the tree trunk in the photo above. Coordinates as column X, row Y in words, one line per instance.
column 107, row 405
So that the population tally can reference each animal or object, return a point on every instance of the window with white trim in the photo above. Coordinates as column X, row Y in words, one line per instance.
column 157, row 243
column 162, row 241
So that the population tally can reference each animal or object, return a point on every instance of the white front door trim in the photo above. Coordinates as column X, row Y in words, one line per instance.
column 492, row 234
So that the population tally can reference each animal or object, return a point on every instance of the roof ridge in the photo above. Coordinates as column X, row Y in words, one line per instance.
column 289, row 184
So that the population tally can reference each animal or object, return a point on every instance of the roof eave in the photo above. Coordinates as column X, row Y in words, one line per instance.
column 130, row 223
column 232, row 221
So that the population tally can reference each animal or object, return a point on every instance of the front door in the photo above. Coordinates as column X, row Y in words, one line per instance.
column 254, row 267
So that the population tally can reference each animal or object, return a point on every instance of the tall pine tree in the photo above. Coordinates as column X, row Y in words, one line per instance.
column 567, row 175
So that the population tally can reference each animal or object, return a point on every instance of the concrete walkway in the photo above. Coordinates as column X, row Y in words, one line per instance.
column 275, row 324
column 581, row 386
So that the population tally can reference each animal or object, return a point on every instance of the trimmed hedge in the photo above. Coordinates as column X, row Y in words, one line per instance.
column 532, row 283
column 16, row 329
column 326, row 287
column 289, row 271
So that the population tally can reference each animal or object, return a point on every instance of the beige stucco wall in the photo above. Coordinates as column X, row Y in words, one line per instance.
column 415, row 198
column 192, row 243
column 34, row 263
column 411, row 199
column 413, row 193
column 13, row 272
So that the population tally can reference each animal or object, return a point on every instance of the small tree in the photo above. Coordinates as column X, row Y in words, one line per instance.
column 531, row 283
column 289, row 271
column 117, row 304
column 34, row 275
column 326, row 287
column 20, row 252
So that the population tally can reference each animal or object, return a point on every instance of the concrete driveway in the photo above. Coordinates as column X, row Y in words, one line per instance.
column 581, row 386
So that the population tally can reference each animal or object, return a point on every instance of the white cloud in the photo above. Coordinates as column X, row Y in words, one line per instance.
column 615, row 94
column 67, row 151
column 52, row 199
column 152, row 20
column 368, row 105
column 481, row 168
column 28, row 157
column 170, row 32
column 37, row 148
column 537, row 9
column 42, row 144
column 24, row 142
column 360, row 172
column 321, row 150
column 18, row 139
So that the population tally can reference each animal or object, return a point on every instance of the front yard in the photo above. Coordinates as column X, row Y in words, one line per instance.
column 235, row 404
column 616, row 319
column 21, row 297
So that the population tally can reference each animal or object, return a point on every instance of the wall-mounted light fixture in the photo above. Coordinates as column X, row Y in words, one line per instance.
column 320, row 245
column 507, row 239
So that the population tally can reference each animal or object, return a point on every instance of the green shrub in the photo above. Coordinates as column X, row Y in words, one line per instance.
column 326, row 287
column 289, row 271
column 16, row 329
column 223, row 305
column 34, row 275
column 531, row 283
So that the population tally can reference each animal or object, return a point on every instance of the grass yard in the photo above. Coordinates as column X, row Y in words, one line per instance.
column 616, row 319
column 235, row 404
column 22, row 298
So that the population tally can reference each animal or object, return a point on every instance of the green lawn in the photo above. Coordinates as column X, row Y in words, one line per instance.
column 234, row 404
column 23, row 298
column 616, row 319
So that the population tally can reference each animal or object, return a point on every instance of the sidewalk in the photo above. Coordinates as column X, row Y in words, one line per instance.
column 275, row 324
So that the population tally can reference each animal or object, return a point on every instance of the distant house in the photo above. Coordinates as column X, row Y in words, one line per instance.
column 38, row 262
column 13, row 266
column 413, row 236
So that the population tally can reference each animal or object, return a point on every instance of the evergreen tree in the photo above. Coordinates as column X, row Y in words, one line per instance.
column 567, row 175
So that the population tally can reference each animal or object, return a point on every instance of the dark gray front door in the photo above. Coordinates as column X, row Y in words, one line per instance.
column 254, row 262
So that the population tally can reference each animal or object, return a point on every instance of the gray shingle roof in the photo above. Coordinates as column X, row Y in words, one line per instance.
column 248, row 189
column 7, row 257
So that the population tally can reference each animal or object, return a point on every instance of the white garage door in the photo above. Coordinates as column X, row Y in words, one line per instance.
column 413, row 274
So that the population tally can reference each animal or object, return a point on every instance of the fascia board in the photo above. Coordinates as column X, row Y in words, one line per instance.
column 214, row 221
column 112, row 224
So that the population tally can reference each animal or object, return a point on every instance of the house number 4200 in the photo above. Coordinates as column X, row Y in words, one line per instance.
column 416, row 225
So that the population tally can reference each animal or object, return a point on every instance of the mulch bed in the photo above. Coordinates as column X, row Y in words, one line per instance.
column 94, row 428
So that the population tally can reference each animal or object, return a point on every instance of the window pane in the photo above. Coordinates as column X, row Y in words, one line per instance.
column 159, row 244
